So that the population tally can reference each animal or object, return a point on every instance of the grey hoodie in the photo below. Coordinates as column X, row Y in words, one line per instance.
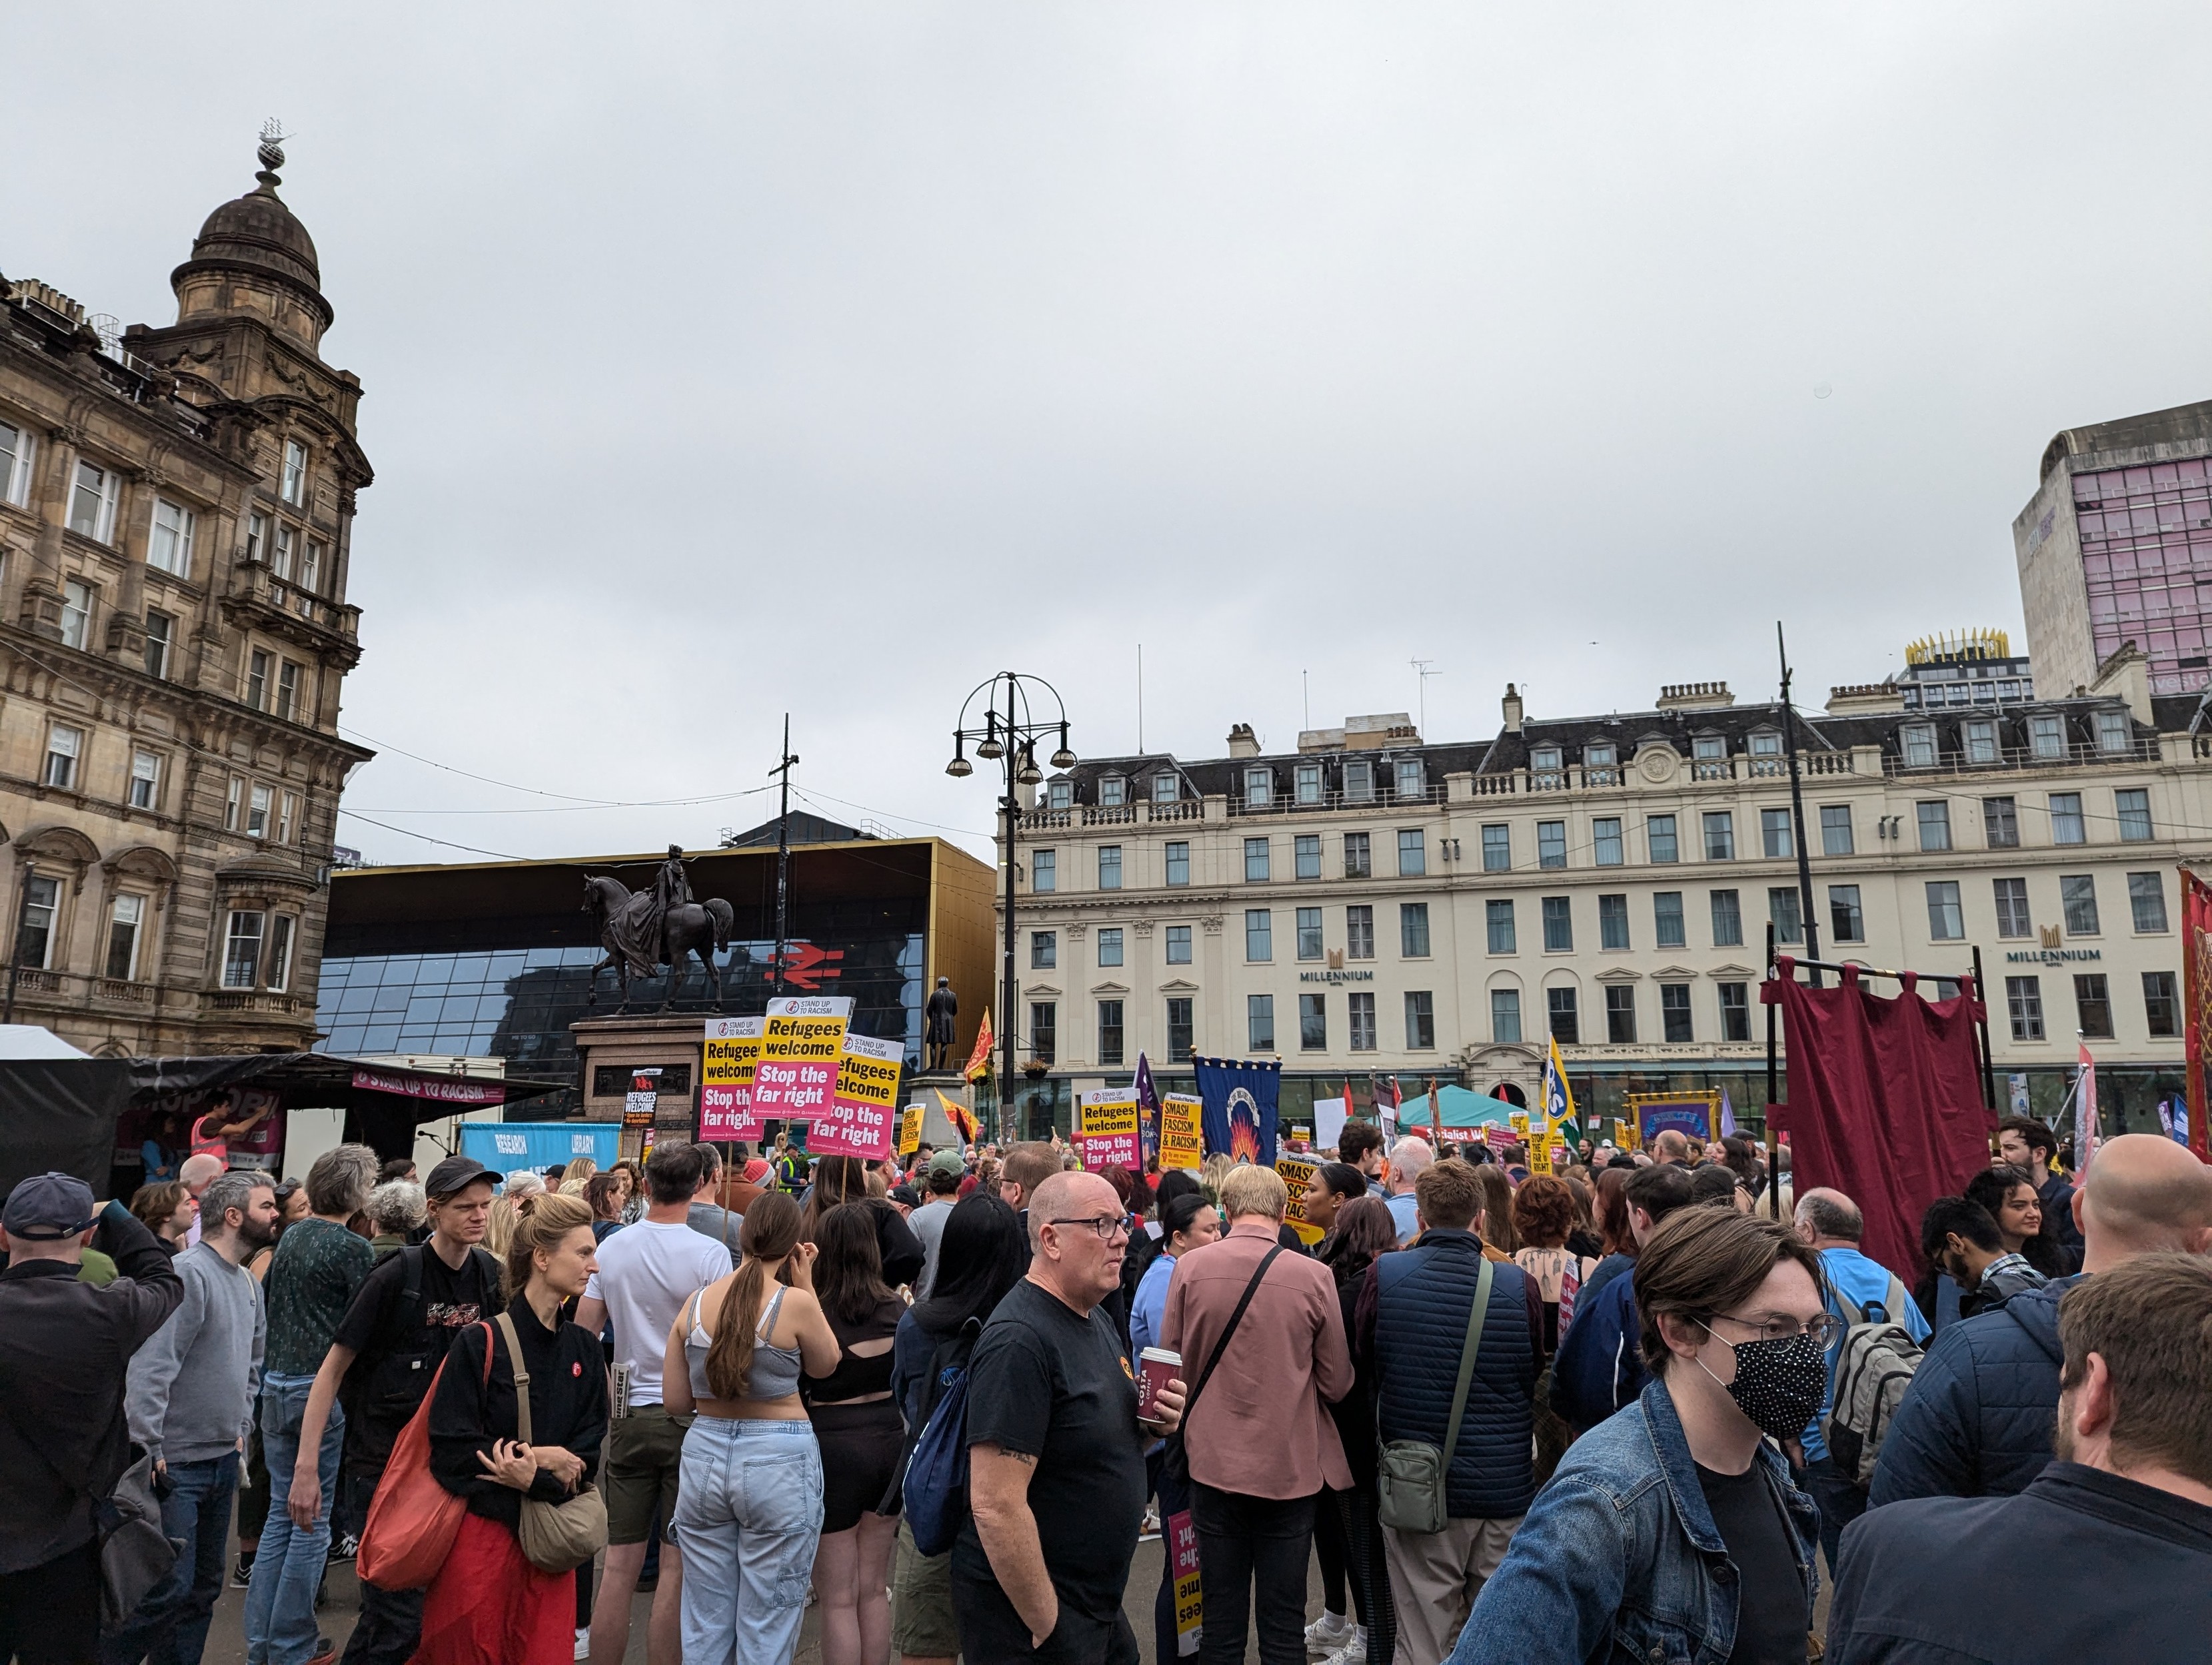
column 191, row 1388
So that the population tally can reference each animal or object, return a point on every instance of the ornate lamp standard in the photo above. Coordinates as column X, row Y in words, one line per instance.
column 1009, row 735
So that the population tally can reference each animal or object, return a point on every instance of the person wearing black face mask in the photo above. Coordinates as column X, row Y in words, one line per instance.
column 1672, row 1530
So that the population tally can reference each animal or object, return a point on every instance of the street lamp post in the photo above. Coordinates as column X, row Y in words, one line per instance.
column 1010, row 735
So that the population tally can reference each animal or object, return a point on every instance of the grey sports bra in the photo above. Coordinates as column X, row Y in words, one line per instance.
column 774, row 1373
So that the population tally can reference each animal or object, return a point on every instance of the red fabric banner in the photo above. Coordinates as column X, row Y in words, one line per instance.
column 1885, row 1101
column 2197, row 1003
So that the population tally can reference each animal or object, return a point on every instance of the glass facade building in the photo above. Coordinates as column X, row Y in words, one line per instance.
column 2146, row 545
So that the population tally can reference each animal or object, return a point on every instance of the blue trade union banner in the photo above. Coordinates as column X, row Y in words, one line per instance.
column 1239, row 1096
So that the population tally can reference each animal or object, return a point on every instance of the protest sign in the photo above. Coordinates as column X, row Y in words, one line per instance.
column 863, row 1107
column 725, row 1079
column 1179, row 1130
column 1297, row 1175
column 1106, row 1131
column 909, row 1129
column 1519, row 1119
column 1498, row 1138
column 1182, row 1545
column 802, row 1038
column 643, row 1095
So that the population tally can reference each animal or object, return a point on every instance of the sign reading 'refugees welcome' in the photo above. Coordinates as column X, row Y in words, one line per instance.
column 802, row 1042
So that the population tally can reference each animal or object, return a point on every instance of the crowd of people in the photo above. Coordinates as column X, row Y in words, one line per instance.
column 1636, row 1408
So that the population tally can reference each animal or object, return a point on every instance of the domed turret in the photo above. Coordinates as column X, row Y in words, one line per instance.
column 253, row 256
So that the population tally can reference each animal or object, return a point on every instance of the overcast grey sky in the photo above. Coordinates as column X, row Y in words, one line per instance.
column 729, row 359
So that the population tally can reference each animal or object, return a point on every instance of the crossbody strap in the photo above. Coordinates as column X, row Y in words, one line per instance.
column 1235, row 1318
column 521, row 1378
column 1474, row 1345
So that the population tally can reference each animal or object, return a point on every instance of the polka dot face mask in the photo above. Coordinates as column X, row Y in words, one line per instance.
column 1779, row 1385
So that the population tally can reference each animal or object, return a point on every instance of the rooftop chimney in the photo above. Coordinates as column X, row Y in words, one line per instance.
column 1242, row 742
column 1695, row 697
column 1513, row 706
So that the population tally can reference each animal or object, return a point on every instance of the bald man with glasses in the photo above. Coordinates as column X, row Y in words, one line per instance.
column 1057, row 1483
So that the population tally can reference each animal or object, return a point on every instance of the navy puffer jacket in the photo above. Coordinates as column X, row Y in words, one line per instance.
column 1976, row 1420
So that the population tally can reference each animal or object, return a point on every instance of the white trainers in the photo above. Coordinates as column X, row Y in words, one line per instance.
column 584, row 1643
column 1330, row 1632
column 1353, row 1652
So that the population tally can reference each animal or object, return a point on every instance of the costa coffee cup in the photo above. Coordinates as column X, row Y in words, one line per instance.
column 1156, row 1368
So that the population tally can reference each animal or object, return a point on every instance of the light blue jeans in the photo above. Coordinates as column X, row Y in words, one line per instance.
column 288, row 1567
column 748, row 1516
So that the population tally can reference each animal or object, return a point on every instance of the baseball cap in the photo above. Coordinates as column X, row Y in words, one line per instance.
column 757, row 1169
column 48, row 1206
column 455, row 1173
column 906, row 1194
column 948, row 1164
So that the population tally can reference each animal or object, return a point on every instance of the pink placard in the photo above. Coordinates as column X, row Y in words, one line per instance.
column 726, row 1113
column 862, row 1118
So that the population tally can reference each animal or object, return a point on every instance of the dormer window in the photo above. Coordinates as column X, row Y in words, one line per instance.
column 1358, row 781
column 1708, row 747
column 2046, row 736
column 1166, row 789
column 1307, row 782
column 1413, row 780
column 1918, row 741
column 1113, row 790
column 1601, row 756
column 1060, row 795
column 1259, row 788
column 1981, row 737
column 2114, row 731
column 1544, row 756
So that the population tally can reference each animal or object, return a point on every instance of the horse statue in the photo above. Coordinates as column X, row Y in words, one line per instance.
column 642, row 930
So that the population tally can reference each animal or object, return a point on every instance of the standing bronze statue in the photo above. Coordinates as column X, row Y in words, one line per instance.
column 644, row 931
column 937, row 1024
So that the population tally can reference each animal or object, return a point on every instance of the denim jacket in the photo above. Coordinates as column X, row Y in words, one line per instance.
column 1618, row 1561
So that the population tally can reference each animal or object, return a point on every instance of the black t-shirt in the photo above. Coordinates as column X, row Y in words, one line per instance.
column 1047, row 1383
column 1771, row 1612
column 399, row 1346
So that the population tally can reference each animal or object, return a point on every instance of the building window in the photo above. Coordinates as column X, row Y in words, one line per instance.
column 1935, row 819
column 1413, row 930
column 76, row 612
column 145, row 781
column 1044, row 951
column 1358, row 864
column 1178, row 862
column 257, row 680
column 42, row 901
column 1505, row 1016
column 169, row 543
column 1259, row 1023
column 1305, row 782
column 241, row 954
column 1496, row 849
column 1767, row 754
column 257, row 537
column 92, row 503
column 1109, row 866
column 2066, row 826
column 280, row 952
column 2092, row 1007
column 1613, row 922
column 2146, row 901
column 1361, row 1021
column 1981, row 737
column 293, row 486
column 1836, row 829
column 1413, row 854
column 1110, row 1031
column 2114, row 731
column 1544, row 761
column 257, row 812
column 2134, row 816
column 311, row 576
column 1728, row 920
column 1259, row 788
column 1659, row 839
column 1044, row 1031
column 1919, row 740
column 123, row 921
column 1060, row 795
column 1497, row 918
column 1551, row 843
column 288, row 691
column 2001, row 823
column 1620, row 1014
column 1668, row 928
column 2013, row 920
column 1735, row 1011
column 64, row 746
column 233, row 804
column 1605, row 841
column 1180, row 1045
column 2077, row 895
column 2046, row 737
column 1720, row 835
column 280, row 557
column 1846, row 922
column 2023, row 1004
column 1358, row 781
column 15, row 447
column 1113, row 791
column 1256, row 861
column 1313, row 1023
column 1178, row 949
column 1944, row 923
column 287, row 812
column 1560, row 1007
column 2162, row 1010
column 1359, row 932
column 1308, row 925
column 1305, row 855
column 1044, row 870
column 1110, row 945
column 1412, row 780
column 1774, row 835
column 160, row 632
column 1259, row 935
column 1558, row 924
column 1421, row 1020
column 1166, row 789
column 1674, row 1013
column 1782, row 909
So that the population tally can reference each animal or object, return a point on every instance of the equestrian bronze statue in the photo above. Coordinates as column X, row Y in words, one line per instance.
column 644, row 931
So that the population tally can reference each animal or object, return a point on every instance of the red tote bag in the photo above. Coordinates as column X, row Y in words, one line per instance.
column 413, row 1520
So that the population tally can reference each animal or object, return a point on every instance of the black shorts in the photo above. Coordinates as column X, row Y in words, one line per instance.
column 860, row 1449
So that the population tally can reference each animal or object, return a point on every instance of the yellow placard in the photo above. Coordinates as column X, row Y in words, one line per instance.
column 1106, row 1131
column 1519, row 1120
column 1180, row 1143
column 868, row 1072
column 909, row 1137
column 1297, row 1175
column 1539, row 1154
column 732, row 1058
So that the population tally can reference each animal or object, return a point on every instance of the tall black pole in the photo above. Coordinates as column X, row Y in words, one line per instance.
column 1773, row 1139
column 783, row 854
column 1797, row 814
column 1007, row 1008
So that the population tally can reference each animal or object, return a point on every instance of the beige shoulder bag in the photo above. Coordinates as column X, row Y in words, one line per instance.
column 556, row 1537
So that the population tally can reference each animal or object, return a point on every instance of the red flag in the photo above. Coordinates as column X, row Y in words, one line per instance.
column 2196, row 1006
column 979, row 1061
